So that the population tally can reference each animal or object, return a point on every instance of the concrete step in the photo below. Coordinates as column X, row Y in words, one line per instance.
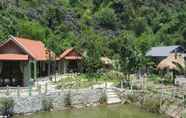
column 111, row 94
column 112, row 97
column 113, row 100
column 109, row 90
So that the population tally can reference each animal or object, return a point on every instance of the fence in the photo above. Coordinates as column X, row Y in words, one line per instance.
column 178, row 94
column 23, row 91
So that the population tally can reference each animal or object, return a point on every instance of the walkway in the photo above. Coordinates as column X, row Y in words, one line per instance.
column 112, row 97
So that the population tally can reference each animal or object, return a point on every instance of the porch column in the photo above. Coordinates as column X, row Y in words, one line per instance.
column 35, row 70
column 49, row 68
column 79, row 66
column 59, row 67
column 65, row 63
column 26, row 73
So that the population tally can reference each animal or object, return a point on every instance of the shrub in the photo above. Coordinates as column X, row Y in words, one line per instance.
column 6, row 106
column 47, row 104
column 152, row 104
column 132, row 98
column 154, row 77
column 103, row 98
column 68, row 101
column 114, row 75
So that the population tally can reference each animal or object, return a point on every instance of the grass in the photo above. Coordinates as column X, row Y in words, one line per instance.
column 6, row 106
column 154, row 78
column 80, row 81
column 184, row 115
column 84, row 81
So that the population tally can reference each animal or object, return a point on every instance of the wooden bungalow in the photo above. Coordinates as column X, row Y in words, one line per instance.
column 70, row 61
column 21, row 60
column 160, row 53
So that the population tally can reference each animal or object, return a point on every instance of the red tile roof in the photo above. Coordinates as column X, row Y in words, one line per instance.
column 36, row 49
column 73, row 58
column 9, row 57
column 68, row 55
column 65, row 53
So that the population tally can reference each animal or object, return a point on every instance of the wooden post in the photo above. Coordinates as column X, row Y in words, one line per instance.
column 160, row 97
column 184, row 97
column 49, row 67
column 55, row 63
column 35, row 70
column 39, row 89
column 105, row 84
column 121, row 83
column 18, row 91
column 145, row 83
column 92, row 84
column 131, row 87
column 30, row 90
column 142, row 83
column 79, row 81
column 64, row 67
column 29, row 71
column 46, row 88
column 7, row 90
column 174, row 93
column 26, row 73
column 161, row 93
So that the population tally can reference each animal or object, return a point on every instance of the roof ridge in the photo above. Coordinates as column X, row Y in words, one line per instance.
column 66, row 51
column 22, row 46
column 166, row 46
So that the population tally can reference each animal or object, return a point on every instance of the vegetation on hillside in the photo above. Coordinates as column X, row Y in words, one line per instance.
column 120, row 29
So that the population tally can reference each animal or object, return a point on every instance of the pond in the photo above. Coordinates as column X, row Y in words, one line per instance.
column 112, row 111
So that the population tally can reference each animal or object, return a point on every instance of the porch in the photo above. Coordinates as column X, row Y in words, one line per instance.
column 69, row 66
column 70, row 61
column 23, row 73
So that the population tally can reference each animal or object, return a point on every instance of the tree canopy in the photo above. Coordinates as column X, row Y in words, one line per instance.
column 120, row 29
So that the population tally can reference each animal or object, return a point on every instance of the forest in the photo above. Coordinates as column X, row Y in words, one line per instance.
column 119, row 29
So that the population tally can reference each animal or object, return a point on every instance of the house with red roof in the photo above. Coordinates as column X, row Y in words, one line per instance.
column 22, row 59
column 70, row 61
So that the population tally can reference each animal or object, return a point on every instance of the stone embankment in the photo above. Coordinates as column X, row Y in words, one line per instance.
column 77, row 98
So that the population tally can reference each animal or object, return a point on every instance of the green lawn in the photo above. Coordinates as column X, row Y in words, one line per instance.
column 84, row 81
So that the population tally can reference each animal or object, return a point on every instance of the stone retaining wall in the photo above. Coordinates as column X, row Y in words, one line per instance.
column 79, row 98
